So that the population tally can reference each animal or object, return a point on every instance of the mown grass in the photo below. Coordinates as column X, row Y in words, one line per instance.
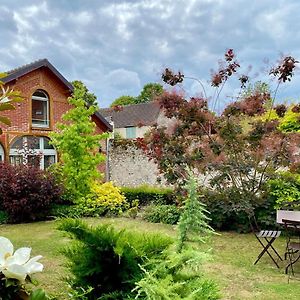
column 231, row 265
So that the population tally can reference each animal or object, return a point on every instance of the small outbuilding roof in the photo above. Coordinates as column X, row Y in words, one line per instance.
column 144, row 114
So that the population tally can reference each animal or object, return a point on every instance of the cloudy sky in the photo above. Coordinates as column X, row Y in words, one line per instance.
column 115, row 47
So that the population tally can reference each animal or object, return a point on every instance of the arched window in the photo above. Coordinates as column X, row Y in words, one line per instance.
column 33, row 150
column 40, row 109
column 1, row 153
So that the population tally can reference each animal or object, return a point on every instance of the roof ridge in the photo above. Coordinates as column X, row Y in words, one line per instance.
column 21, row 71
column 136, row 104
column 130, row 105
column 25, row 66
column 132, row 115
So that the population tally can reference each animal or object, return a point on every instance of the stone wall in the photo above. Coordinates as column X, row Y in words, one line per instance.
column 129, row 166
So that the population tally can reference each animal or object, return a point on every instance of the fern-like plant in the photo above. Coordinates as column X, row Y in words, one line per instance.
column 193, row 222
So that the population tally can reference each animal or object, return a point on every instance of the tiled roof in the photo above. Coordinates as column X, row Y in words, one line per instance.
column 133, row 115
column 18, row 72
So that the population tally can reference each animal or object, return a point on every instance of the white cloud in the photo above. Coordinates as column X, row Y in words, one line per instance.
column 122, row 79
column 118, row 46
column 82, row 18
column 23, row 24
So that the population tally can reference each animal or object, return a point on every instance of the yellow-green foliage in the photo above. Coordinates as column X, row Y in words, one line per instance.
column 290, row 122
column 106, row 197
column 268, row 116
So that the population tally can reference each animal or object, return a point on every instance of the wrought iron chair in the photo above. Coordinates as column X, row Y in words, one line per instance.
column 265, row 238
column 292, row 228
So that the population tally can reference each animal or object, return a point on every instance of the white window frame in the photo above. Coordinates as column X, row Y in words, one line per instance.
column 43, row 99
column 41, row 151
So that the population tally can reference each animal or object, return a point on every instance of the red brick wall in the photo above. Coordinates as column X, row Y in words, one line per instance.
column 58, row 93
column 21, row 116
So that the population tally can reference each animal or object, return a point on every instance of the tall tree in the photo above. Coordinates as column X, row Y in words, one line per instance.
column 149, row 92
column 238, row 149
column 78, row 146
column 88, row 97
column 123, row 100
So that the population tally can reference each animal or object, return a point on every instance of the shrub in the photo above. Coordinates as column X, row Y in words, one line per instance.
column 108, row 260
column 149, row 195
column 65, row 211
column 228, row 210
column 108, row 197
column 167, row 214
column 284, row 189
column 290, row 121
column 3, row 217
column 177, row 276
column 104, row 199
column 26, row 193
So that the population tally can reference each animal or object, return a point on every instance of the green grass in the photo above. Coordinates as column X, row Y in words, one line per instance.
column 231, row 265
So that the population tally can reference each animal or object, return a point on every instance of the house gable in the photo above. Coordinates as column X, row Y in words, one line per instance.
column 43, row 76
column 15, row 74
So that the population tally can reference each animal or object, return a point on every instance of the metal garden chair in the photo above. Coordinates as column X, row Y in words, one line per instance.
column 293, row 243
column 266, row 239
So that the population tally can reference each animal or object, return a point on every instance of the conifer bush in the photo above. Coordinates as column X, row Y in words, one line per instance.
column 179, row 274
column 106, row 261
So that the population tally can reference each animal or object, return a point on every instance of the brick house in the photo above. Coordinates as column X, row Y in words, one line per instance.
column 45, row 92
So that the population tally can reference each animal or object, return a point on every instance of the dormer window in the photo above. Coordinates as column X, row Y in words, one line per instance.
column 40, row 109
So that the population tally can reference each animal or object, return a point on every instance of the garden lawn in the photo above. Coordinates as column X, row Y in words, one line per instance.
column 231, row 265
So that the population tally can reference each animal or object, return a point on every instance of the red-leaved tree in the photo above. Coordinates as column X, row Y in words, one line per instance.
column 235, row 151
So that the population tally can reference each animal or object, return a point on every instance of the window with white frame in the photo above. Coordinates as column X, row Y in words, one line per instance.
column 33, row 150
column 1, row 153
column 40, row 109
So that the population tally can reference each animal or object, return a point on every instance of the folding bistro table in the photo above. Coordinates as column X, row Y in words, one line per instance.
column 291, row 222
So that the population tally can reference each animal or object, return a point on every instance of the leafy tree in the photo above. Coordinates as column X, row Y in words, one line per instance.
column 149, row 92
column 236, row 150
column 124, row 100
column 7, row 98
column 78, row 146
column 88, row 97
